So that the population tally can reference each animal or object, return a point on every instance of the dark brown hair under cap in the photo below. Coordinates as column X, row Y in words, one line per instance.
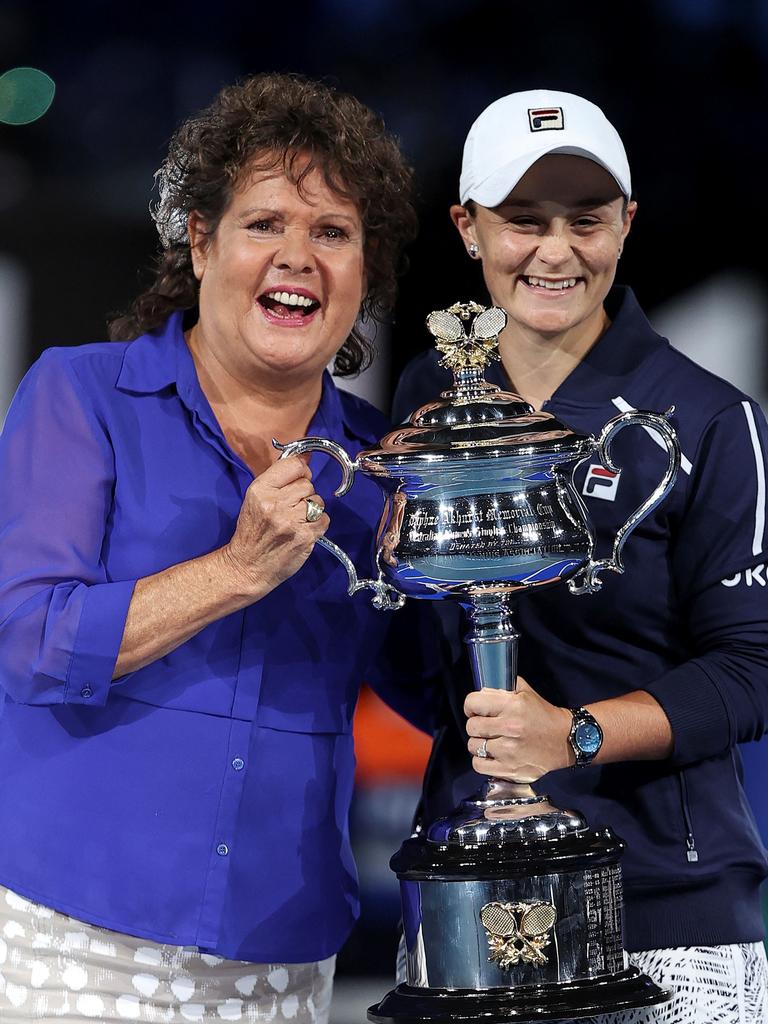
column 265, row 122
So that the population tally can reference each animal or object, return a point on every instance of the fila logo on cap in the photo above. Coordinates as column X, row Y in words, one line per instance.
column 601, row 483
column 546, row 119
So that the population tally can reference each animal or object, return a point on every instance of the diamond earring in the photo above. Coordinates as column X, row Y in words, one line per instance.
column 474, row 251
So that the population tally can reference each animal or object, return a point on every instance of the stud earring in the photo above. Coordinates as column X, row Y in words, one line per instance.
column 474, row 251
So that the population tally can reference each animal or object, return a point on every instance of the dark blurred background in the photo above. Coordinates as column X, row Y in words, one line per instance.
column 684, row 81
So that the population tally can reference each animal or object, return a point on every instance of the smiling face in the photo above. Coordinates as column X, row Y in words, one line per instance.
column 549, row 251
column 281, row 279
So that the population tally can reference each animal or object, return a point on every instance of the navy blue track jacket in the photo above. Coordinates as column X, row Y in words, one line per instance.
column 688, row 622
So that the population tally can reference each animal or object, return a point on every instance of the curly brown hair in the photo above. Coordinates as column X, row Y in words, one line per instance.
column 262, row 123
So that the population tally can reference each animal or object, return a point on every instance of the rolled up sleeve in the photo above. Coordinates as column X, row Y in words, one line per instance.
column 61, row 617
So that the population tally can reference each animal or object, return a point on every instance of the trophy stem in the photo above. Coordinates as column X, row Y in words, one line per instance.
column 492, row 642
column 492, row 646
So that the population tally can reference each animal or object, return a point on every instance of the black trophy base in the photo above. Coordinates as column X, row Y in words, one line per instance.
column 523, row 1005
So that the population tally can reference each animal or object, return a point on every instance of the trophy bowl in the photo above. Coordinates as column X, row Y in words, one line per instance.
column 512, row 908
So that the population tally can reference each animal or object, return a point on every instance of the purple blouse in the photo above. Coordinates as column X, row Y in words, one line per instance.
column 201, row 800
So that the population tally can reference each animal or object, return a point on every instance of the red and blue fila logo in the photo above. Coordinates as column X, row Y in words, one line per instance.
column 546, row 119
column 601, row 483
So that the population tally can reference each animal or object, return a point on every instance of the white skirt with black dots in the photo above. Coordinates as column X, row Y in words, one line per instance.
column 55, row 969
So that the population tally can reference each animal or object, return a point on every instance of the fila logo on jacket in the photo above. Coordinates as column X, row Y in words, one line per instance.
column 601, row 483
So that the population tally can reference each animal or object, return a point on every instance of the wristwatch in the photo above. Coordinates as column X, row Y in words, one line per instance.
column 586, row 736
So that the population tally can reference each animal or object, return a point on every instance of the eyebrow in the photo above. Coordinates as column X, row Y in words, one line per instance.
column 254, row 210
column 588, row 202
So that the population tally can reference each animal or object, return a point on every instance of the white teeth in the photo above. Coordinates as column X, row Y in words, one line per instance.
column 290, row 299
column 543, row 282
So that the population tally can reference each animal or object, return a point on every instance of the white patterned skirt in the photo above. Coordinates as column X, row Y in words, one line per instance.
column 709, row 985
column 55, row 969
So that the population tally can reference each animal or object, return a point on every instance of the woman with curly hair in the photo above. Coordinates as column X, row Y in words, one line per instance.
column 175, row 693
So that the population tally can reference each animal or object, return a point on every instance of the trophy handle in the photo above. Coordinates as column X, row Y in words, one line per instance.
column 386, row 597
column 587, row 581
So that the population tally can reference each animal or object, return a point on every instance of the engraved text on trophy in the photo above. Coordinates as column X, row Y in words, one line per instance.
column 491, row 525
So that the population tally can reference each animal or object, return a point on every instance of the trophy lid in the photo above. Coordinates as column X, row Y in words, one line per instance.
column 474, row 416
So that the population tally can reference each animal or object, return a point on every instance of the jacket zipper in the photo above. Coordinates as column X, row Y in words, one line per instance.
column 692, row 853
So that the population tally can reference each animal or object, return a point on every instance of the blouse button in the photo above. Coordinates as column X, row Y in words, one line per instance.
column 86, row 692
column 222, row 849
column 238, row 764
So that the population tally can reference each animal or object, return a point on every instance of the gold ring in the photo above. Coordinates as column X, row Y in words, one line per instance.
column 314, row 510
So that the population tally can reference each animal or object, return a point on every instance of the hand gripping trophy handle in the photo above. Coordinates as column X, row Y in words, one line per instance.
column 386, row 597
column 586, row 580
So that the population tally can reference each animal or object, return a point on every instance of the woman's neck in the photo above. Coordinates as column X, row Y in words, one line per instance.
column 251, row 412
column 538, row 364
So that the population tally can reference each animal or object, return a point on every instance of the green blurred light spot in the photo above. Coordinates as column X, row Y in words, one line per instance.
column 25, row 95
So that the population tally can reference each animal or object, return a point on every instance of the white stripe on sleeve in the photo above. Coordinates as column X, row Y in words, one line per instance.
column 623, row 406
column 759, row 536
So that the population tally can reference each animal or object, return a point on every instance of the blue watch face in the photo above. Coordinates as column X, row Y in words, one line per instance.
column 588, row 737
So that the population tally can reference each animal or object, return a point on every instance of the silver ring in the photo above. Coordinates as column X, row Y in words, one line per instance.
column 482, row 750
column 314, row 510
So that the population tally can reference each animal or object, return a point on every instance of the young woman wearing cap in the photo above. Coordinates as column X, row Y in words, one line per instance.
column 670, row 660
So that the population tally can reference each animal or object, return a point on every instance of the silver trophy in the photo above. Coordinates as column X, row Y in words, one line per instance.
column 512, row 908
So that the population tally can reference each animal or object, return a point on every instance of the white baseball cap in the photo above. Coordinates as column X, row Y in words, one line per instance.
column 517, row 130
